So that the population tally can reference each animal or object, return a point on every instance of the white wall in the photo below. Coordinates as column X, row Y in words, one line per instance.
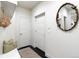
column 58, row 43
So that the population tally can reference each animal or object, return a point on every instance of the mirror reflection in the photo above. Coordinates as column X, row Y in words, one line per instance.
column 67, row 17
column 6, row 13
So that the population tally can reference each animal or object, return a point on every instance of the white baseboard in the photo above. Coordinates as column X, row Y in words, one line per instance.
column 48, row 55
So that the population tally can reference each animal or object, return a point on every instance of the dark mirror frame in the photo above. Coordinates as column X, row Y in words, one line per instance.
column 74, row 7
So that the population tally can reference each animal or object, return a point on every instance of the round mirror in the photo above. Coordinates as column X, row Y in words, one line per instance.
column 67, row 17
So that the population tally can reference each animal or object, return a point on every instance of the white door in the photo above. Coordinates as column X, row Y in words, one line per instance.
column 39, row 32
column 23, row 27
column 23, row 32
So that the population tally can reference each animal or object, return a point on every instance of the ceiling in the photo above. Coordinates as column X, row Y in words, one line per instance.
column 28, row 4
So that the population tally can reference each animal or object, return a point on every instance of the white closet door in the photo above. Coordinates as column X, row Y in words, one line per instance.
column 23, row 27
column 39, row 32
column 24, row 31
column 21, row 32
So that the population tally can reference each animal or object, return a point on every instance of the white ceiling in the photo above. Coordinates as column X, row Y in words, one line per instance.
column 28, row 4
